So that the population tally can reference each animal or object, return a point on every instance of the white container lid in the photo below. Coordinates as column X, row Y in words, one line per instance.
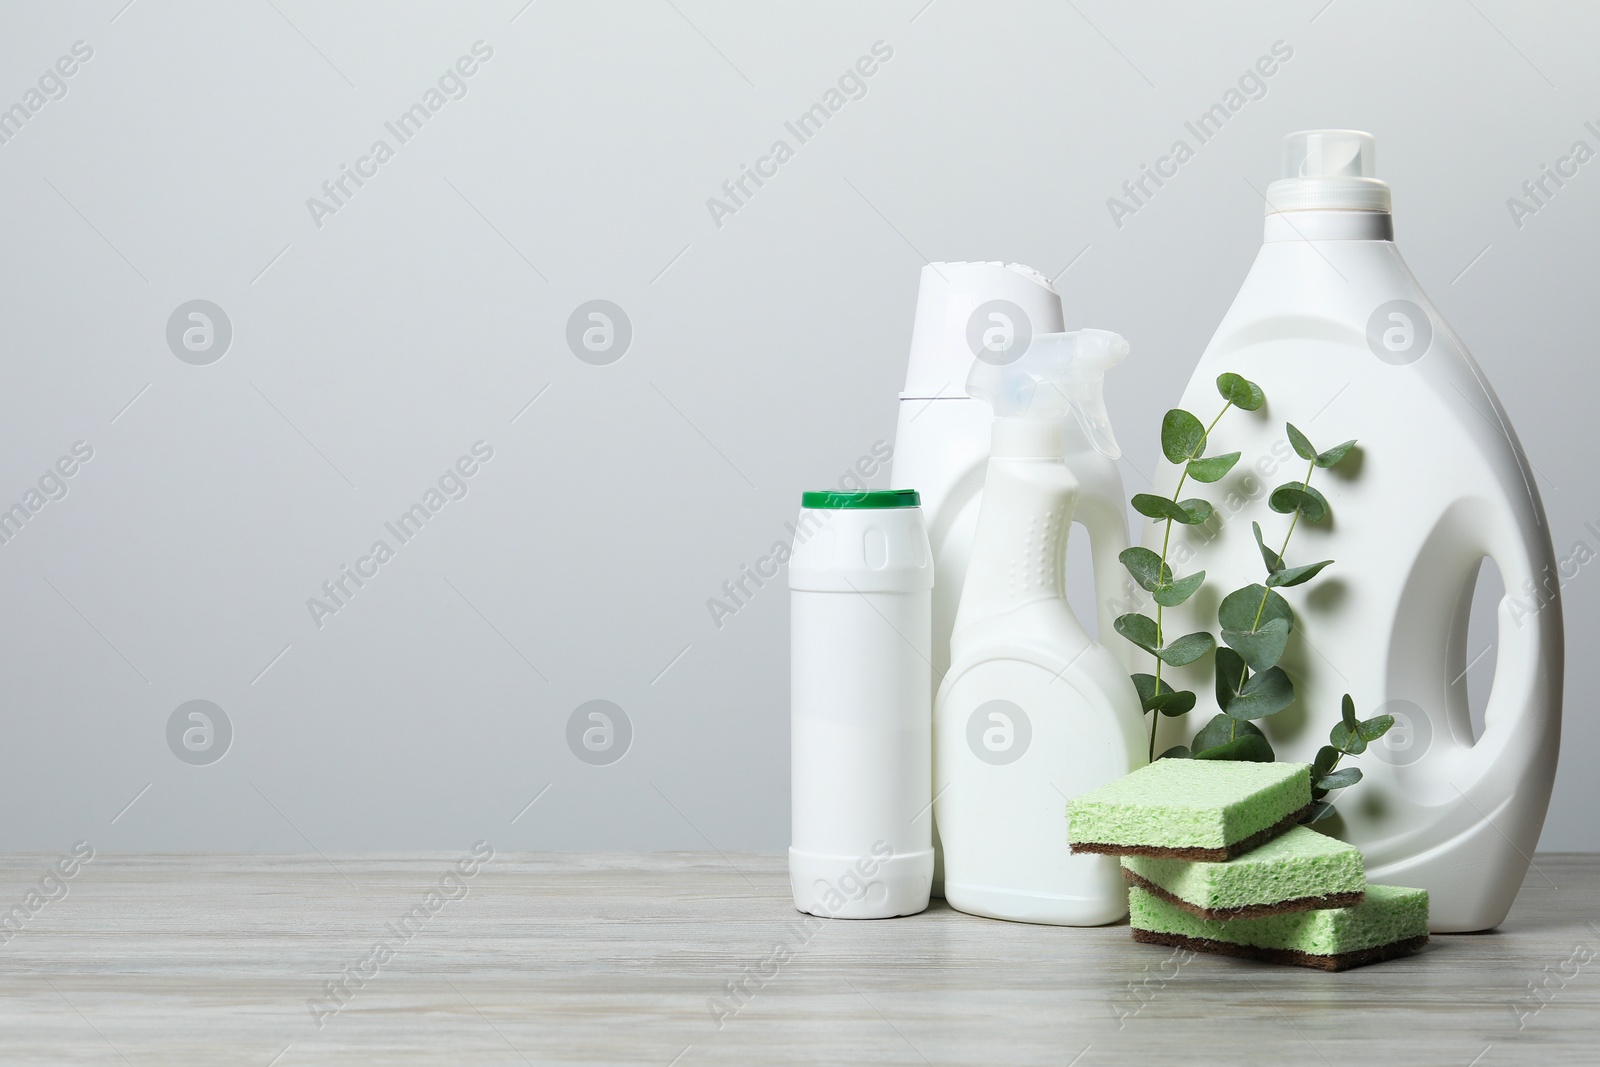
column 872, row 542
column 1327, row 170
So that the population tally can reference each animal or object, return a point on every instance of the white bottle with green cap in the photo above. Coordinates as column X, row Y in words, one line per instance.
column 860, row 705
column 1033, row 712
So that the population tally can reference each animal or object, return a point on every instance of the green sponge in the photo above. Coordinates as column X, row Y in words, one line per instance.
column 1390, row 922
column 1295, row 872
column 1190, row 809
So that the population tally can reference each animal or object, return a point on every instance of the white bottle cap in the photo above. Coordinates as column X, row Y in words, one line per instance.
column 949, row 297
column 1328, row 170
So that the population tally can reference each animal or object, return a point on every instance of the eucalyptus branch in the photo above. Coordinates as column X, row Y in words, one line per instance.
column 1256, row 622
column 1183, row 442
column 1166, row 546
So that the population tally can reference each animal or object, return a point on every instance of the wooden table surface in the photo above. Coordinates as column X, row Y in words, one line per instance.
column 605, row 958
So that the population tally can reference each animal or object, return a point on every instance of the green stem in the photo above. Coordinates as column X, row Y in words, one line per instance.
column 1166, row 542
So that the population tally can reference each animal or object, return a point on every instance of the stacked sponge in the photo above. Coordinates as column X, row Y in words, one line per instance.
column 1216, row 862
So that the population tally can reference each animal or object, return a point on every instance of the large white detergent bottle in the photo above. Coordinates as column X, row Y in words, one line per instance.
column 941, row 445
column 1032, row 712
column 1345, row 344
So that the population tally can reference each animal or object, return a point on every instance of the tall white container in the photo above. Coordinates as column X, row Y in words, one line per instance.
column 861, row 706
column 1345, row 344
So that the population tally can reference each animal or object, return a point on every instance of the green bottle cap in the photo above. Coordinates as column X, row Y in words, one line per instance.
column 833, row 500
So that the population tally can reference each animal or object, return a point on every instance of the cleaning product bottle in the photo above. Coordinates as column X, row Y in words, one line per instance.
column 942, row 441
column 1345, row 344
column 860, row 706
column 1032, row 711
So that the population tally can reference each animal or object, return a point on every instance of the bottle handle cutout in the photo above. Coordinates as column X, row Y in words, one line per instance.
column 1528, row 661
column 1528, row 628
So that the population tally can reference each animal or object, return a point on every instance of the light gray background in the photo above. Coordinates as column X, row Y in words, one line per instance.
column 370, row 353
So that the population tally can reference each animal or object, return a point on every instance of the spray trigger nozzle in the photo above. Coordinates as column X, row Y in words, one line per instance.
column 1055, row 373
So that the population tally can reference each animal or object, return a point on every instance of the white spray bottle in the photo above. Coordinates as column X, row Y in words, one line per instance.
column 1032, row 712
column 1345, row 344
column 941, row 446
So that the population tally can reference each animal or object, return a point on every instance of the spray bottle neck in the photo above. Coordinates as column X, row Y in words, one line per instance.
column 1027, row 437
column 1056, row 375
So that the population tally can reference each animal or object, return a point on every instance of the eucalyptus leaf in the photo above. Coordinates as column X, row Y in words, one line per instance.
column 1332, row 456
column 1190, row 512
column 1175, row 704
column 1158, row 507
column 1370, row 730
column 1256, row 621
column 1347, row 712
column 1327, row 759
column 1230, row 675
column 1261, row 647
column 1340, row 778
column 1240, row 392
column 1146, row 568
column 1195, row 511
column 1249, row 748
column 1263, row 694
column 1212, row 469
column 1297, row 575
column 1221, row 730
column 1183, row 437
column 1298, row 496
column 1273, row 561
column 1176, row 752
column 1346, row 740
column 1161, row 697
column 1172, row 593
column 1302, row 446
column 1241, row 608
column 1186, row 649
column 1148, row 687
column 1140, row 629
